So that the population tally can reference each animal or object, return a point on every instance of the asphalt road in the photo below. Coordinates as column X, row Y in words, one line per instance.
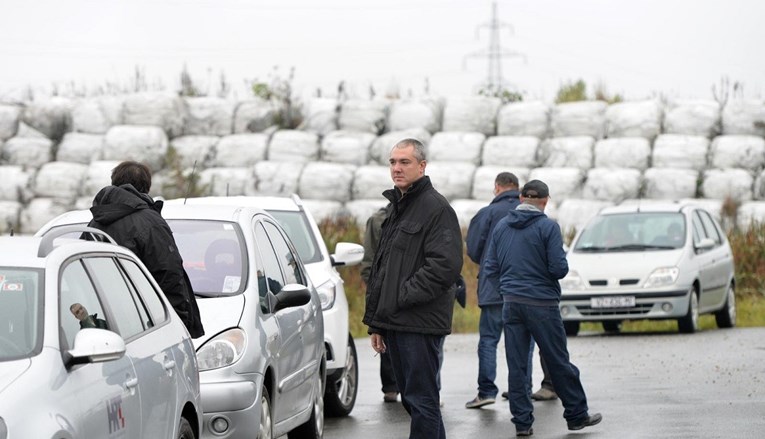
column 705, row 385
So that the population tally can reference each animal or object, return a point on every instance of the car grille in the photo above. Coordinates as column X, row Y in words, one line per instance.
column 604, row 282
column 639, row 309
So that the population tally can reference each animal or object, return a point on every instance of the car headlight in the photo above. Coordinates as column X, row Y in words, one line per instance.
column 327, row 294
column 222, row 350
column 572, row 281
column 662, row 277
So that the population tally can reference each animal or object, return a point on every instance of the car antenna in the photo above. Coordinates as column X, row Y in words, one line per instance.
column 11, row 231
column 191, row 179
column 227, row 184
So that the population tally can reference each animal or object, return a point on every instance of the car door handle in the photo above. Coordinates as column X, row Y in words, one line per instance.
column 169, row 365
column 131, row 383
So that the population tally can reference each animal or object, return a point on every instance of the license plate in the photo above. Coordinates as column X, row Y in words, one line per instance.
column 613, row 302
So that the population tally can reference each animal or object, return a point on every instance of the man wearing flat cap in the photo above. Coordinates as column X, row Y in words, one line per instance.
column 526, row 254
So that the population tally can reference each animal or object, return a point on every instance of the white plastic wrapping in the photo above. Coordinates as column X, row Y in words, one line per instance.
column 625, row 152
column 80, row 148
column 586, row 118
column 456, row 146
column 240, row 150
column 524, row 119
column 477, row 113
column 326, row 181
column 208, row 116
column 350, row 147
column 520, row 151
column 146, row 144
column 612, row 184
column 572, row 152
column 680, row 151
column 293, row 145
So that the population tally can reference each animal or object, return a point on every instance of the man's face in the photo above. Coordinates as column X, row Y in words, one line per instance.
column 79, row 311
column 404, row 167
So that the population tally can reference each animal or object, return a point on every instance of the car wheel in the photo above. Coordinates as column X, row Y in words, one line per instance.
column 612, row 325
column 689, row 323
column 572, row 328
column 266, row 422
column 340, row 396
column 726, row 317
column 184, row 430
column 314, row 427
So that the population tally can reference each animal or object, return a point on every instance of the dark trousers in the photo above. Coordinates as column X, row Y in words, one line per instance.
column 415, row 363
column 546, row 380
column 544, row 324
column 387, row 377
column 490, row 328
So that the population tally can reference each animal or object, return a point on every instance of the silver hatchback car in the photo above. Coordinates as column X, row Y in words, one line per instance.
column 649, row 261
column 89, row 346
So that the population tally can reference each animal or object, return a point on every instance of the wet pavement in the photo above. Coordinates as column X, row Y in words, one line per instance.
column 665, row 385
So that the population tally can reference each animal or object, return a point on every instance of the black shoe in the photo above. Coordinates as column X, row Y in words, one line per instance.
column 589, row 421
column 522, row 433
column 504, row 395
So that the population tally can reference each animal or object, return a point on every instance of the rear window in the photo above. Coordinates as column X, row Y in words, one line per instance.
column 633, row 232
column 21, row 322
column 299, row 231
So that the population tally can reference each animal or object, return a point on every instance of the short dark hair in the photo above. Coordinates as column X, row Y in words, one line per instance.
column 135, row 173
column 506, row 179
column 419, row 147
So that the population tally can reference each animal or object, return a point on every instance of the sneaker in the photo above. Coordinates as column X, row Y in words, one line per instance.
column 504, row 395
column 589, row 421
column 478, row 402
column 390, row 396
column 544, row 395
column 522, row 433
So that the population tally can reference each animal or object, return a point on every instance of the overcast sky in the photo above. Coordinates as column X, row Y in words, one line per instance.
column 637, row 48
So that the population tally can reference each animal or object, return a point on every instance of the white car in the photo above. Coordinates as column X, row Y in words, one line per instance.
column 89, row 346
column 297, row 221
column 649, row 261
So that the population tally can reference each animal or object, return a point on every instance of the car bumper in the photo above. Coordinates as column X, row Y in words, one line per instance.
column 670, row 304
column 238, row 402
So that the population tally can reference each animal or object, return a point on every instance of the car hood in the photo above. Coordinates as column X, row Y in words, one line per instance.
column 218, row 314
column 621, row 265
column 10, row 371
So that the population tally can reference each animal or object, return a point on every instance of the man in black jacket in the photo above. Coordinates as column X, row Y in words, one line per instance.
column 133, row 219
column 410, row 294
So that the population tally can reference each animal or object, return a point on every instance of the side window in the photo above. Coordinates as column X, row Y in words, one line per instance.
column 122, row 300
column 146, row 291
column 269, row 274
column 709, row 226
column 285, row 255
column 79, row 306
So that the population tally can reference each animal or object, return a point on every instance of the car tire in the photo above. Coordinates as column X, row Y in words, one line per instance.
column 726, row 316
column 266, row 430
column 572, row 328
column 613, row 326
column 184, row 430
column 689, row 323
column 314, row 427
column 340, row 396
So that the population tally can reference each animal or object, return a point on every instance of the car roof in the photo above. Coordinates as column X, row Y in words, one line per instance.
column 262, row 202
column 648, row 207
column 32, row 251
column 202, row 211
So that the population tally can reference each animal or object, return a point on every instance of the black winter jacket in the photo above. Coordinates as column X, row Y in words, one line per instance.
column 418, row 260
column 134, row 221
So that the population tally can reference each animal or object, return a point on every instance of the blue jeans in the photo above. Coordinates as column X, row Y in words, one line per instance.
column 522, row 322
column 490, row 328
column 416, row 366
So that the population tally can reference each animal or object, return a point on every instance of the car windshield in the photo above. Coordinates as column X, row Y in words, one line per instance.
column 20, row 312
column 637, row 231
column 299, row 231
column 213, row 255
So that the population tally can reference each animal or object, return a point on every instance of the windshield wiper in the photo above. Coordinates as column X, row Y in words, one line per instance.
column 590, row 248
column 640, row 247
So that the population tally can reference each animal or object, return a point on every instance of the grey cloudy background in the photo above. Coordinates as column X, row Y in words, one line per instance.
column 678, row 48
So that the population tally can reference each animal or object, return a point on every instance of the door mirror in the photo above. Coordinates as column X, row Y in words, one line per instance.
column 705, row 244
column 347, row 254
column 291, row 295
column 93, row 345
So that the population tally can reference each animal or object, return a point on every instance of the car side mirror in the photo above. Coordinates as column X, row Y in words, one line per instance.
column 291, row 295
column 92, row 345
column 347, row 254
column 705, row 244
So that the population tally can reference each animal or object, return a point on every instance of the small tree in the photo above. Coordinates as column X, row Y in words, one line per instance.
column 278, row 91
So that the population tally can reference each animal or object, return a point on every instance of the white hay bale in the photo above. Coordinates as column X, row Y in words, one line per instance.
column 253, row 116
column 324, row 210
column 680, row 151
column 326, row 181
column 524, row 119
column 293, row 145
column 194, row 149
column 364, row 115
column 723, row 183
column 361, row 210
column 9, row 216
column 625, row 152
column 574, row 214
column 612, row 184
column 27, row 151
column 160, row 109
column 240, row 150
column 369, row 182
column 586, row 118
column 224, row 182
column 209, row 116
column 634, row 119
column 670, row 183
column 484, row 177
column 466, row 210
column 379, row 153
column 15, row 183
column 520, row 151
column 80, row 148
column 146, row 144
column 750, row 213
column 99, row 175
column 744, row 117
column 693, row 118
column 320, row 116
column 476, row 113
column 52, row 117
column 351, row 147
column 456, row 146
column 39, row 212
column 737, row 151
column 9, row 121
column 278, row 178
column 420, row 113
column 572, row 152
column 26, row 132
column 83, row 203
column 60, row 180
column 564, row 182
column 452, row 180
column 95, row 115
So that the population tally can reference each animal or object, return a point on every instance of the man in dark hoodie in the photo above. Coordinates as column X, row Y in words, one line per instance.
column 133, row 219
column 526, row 254
column 410, row 293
